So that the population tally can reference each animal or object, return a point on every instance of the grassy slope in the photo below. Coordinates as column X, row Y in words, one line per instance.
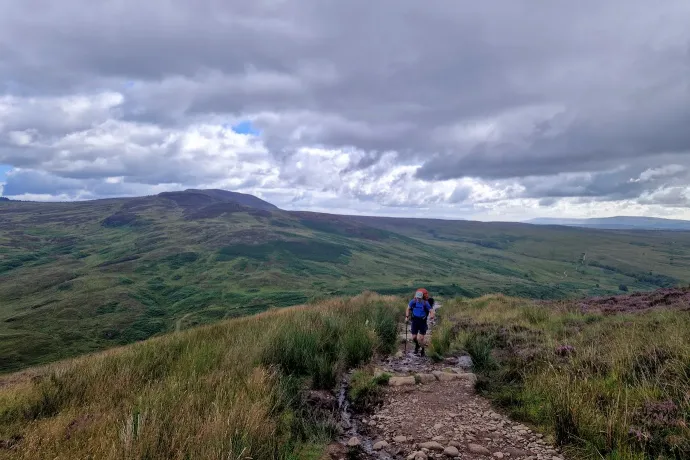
column 70, row 284
column 232, row 390
column 621, row 392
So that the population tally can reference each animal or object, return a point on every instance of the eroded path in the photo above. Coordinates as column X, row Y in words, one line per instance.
column 431, row 410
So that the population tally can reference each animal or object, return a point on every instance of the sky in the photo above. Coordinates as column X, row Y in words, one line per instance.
column 487, row 110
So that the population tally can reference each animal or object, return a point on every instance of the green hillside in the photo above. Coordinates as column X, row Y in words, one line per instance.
column 82, row 276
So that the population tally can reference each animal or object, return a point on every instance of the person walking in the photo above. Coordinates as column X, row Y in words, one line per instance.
column 419, row 310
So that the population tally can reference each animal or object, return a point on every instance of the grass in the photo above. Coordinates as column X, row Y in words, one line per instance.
column 612, row 387
column 230, row 390
column 86, row 276
column 365, row 390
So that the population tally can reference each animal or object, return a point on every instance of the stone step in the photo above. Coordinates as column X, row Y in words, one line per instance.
column 421, row 378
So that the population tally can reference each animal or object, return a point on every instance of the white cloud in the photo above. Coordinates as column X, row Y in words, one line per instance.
column 479, row 110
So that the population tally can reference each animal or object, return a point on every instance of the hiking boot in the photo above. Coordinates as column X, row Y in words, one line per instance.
column 416, row 348
column 422, row 352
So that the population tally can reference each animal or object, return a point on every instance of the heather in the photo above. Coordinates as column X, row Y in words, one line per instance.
column 603, row 382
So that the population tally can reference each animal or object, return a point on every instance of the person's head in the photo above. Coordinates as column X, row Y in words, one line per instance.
column 423, row 292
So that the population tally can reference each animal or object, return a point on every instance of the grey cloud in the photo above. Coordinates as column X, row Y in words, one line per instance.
column 460, row 194
column 547, row 202
column 624, row 183
column 492, row 90
column 672, row 196
column 31, row 182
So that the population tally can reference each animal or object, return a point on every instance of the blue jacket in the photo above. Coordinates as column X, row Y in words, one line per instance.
column 420, row 308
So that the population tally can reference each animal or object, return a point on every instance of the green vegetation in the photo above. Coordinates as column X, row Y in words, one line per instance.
column 365, row 388
column 85, row 276
column 601, row 385
column 236, row 389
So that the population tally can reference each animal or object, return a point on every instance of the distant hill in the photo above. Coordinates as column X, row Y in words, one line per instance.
column 618, row 223
column 82, row 276
column 2, row 198
column 243, row 199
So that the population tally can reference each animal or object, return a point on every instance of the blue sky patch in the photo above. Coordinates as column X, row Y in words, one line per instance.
column 4, row 169
column 246, row 127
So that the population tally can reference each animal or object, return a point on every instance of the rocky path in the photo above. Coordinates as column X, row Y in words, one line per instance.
column 431, row 410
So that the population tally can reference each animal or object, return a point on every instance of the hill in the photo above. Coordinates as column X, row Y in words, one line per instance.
column 598, row 383
column 619, row 223
column 82, row 276
column 240, row 389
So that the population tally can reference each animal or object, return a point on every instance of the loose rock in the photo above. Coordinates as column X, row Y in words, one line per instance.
column 477, row 449
column 451, row 451
column 380, row 445
column 465, row 362
column 446, row 412
column 432, row 445
column 354, row 442
column 419, row 455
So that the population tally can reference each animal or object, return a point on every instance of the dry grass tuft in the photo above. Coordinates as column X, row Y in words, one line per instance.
column 220, row 391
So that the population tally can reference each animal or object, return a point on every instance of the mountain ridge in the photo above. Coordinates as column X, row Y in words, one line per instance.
column 617, row 222
column 87, row 275
column 206, row 197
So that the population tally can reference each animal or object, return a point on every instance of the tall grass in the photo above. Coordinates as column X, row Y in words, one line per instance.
column 614, row 387
column 232, row 390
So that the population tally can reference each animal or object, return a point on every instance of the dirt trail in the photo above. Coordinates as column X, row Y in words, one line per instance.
column 431, row 410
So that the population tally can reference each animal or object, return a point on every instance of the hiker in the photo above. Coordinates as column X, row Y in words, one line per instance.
column 420, row 309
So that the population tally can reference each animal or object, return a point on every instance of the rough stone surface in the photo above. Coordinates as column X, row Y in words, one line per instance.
column 445, row 376
column 477, row 449
column 418, row 455
column 354, row 442
column 400, row 381
column 465, row 362
column 470, row 377
column 451, row 451
column 431, row 445
column 426, row 378
column 424, row 422
column 380, row 445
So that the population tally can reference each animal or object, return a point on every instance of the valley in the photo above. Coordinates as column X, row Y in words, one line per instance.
column 79, row 277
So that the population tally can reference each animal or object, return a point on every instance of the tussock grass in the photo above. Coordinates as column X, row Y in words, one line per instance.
column 365, row 388
column 614, row 387
column 232, row 390
column 441, row 341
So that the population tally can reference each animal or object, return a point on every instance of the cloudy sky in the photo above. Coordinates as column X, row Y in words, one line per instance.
column 484, row 110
